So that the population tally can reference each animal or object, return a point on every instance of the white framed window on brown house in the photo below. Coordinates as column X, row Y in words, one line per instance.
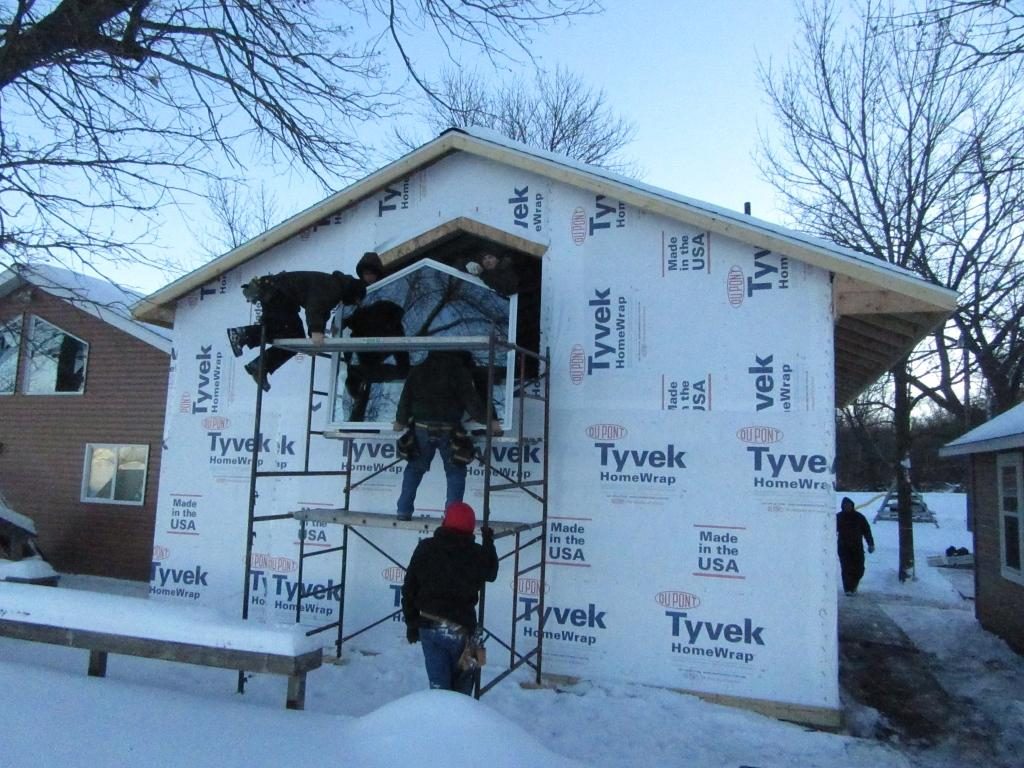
column 115, row 474
column 10, row 346
column 56, row 360
column 1010, row 469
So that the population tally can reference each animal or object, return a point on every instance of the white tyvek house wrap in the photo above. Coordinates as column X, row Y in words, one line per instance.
column 691, row 538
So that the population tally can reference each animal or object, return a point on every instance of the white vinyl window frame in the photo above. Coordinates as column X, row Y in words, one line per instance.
column 1010, row 481
column 115, row 473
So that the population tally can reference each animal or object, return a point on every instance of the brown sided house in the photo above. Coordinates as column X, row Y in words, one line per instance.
column 996, row 499
column 83, row 388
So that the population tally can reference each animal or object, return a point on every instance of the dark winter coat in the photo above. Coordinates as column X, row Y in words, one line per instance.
column 851, row 529
column 316, row 292
column 438, row 391
column 445, row 575
column 504, row 278
column 381, row 318
column 384, row 319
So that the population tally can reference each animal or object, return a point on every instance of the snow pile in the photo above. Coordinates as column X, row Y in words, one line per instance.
column 372, row 709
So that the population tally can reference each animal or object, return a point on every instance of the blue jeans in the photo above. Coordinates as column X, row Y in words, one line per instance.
column 442, row 647
column 429, row 443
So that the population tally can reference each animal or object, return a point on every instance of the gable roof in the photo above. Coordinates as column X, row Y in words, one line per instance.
column 1004, row 432
column 882, row 311
column 99, row 298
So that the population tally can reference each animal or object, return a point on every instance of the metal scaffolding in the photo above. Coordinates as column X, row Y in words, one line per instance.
column 357, row 526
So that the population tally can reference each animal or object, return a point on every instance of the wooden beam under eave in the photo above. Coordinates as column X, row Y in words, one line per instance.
column 879, row 357
column 452, row 229
column 884, row 329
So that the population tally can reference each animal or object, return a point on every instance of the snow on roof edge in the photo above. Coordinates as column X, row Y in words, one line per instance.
column 107, row 301
column 1004, row 432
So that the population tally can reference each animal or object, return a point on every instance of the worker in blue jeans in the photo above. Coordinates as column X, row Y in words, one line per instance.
column 439, row 597
column 436, row 394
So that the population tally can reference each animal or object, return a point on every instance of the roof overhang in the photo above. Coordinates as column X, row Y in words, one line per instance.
column 14, row 279
column 882, row 311
column 1005, row 432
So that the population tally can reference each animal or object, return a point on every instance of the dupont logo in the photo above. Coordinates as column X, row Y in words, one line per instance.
column 579, row 226
column 606, row 431
column 674, row 599
column 528, row 586
column 394, row 574
column 266, row 562
column 734, row 286
column 759, row 435
column 216, row 423
column 577, row 364
column 160, row 553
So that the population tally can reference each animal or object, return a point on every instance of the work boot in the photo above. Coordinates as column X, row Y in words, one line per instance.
column 253, row 369
column 236, row 337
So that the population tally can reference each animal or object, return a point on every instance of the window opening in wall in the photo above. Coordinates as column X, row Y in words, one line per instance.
column 426, row 299
column 1010, row 470
column 56, row 360
column 10, row 344
column 115, row 474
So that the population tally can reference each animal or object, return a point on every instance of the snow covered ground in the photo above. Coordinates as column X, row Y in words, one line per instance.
column 372, row 710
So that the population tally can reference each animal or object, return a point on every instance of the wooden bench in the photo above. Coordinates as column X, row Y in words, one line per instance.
column 104, row 624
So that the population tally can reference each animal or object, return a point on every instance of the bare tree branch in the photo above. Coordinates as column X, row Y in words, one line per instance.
column 893, row 147
column 558, row 113
column 111, row 109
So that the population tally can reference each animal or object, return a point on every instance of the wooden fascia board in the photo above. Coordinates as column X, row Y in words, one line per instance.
column 157, row 308
column 452, row 228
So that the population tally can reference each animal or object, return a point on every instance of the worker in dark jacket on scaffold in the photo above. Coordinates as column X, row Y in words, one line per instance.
column 439, row 597
column 280, row 297
column 436, row 394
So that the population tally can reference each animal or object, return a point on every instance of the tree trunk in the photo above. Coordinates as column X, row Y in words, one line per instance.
column 902, row 469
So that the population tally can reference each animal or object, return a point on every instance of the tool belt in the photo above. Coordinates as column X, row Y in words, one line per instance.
column 434, row 427
column 433, row 621
column 462, row 450
column 474, row 655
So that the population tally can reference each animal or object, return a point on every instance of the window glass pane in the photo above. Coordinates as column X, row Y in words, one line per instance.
column 1009, row 492
column 10, row 341
column 1011, row 542
column 56, row 360
column 115, row 473
column 131, row 473
column 431, row 299
column 102, row 464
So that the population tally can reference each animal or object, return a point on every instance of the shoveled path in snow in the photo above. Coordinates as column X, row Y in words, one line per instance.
column 881, row 667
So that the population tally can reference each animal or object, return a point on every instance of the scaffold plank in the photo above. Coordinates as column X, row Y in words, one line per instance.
column 421, row 524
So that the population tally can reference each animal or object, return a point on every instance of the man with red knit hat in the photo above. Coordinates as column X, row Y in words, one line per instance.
column 440, row 592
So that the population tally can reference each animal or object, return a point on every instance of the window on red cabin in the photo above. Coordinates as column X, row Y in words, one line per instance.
column 56, row 360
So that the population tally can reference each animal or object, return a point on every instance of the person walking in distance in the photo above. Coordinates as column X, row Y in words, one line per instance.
column 439, row 597
column 852, row 530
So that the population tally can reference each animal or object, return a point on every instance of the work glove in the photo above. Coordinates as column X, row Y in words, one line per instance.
column 473, row 268
column 412, row 634
column 487, row 534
